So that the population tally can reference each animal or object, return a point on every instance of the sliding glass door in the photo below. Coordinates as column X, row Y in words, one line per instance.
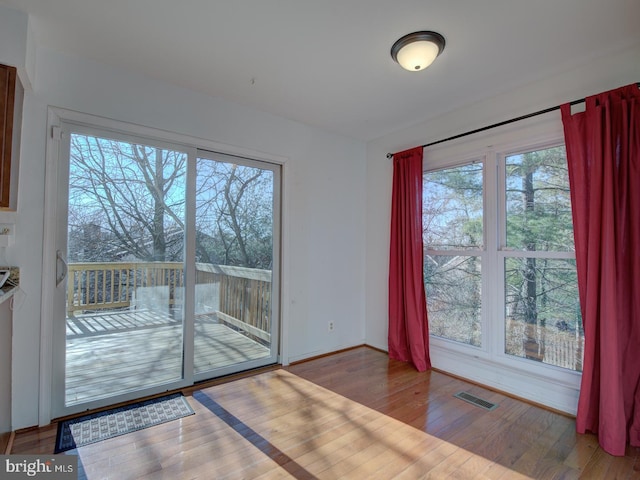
column 166, row 267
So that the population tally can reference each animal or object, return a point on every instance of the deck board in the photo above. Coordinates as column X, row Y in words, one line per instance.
column 118, row 352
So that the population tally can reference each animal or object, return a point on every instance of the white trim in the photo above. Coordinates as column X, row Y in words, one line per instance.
column 284, row 265
column 188, row 328
column 125, row 128
column 506, row 253
column 48, row 269
column 534, row 132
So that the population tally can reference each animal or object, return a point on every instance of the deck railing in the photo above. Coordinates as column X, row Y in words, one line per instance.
column 240, row 297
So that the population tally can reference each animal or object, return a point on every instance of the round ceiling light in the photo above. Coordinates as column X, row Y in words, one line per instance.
column 417, row 50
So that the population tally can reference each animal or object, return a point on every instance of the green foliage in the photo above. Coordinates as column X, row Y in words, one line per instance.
column 538, row 201
column 556, row 292
column 540, row 292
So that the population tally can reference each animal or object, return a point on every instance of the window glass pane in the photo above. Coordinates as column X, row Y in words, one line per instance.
column 126, row 201
column 453, row 297
column 452, row 208
column 543, row 321
column 234, row 214
column 538, row 205
column 126, row 216
column 234, row 260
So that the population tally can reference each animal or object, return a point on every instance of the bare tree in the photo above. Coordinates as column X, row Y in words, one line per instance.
column 127, row 201
column 234, row 214
column 133, row 193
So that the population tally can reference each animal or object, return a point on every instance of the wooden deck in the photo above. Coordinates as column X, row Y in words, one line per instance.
column 114, row 353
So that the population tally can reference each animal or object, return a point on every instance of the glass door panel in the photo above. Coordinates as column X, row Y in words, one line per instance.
column 235, row 239
column 125, row 254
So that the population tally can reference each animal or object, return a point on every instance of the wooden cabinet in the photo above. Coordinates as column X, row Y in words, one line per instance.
column 9, row 135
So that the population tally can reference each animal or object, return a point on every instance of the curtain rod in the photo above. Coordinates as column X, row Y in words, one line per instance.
column 499, row 124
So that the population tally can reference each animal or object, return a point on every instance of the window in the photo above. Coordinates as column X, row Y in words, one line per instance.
column 542, row 313
column 453, row 233
column 499, row 261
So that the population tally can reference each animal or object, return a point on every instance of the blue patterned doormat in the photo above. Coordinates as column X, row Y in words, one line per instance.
column 96, row 427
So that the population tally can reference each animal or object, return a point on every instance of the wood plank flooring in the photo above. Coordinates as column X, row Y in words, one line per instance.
column 117, row 352
column 352, row 415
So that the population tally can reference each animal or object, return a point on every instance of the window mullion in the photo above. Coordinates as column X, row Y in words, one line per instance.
column 491, row 303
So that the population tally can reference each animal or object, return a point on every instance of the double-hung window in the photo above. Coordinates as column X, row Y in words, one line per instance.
column 499, row 263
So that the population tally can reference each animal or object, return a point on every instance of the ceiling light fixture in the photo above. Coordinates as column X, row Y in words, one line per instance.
column 417, row 50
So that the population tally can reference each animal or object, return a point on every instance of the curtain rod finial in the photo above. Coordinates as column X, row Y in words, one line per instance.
column 389, row 156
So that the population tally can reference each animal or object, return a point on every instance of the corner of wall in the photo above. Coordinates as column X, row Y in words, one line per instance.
column 17, row 45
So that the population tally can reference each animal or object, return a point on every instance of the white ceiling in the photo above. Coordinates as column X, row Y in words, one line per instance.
column 326, row 62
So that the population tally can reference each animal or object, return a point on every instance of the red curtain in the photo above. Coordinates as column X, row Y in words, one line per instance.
column 408, row 323
column 603, row 154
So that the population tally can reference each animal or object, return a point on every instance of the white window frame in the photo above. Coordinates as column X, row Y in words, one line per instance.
column 549, row 385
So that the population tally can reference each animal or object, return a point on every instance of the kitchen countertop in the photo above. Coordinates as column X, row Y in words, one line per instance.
column 11, row 285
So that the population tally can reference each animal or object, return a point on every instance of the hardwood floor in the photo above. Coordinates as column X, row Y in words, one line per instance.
column 356, row 415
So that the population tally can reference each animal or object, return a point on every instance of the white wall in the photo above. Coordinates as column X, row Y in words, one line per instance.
column 16, row 43
column 324, row 202
column 605, row 73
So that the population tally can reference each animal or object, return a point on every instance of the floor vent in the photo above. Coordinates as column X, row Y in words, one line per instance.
column 477, row 401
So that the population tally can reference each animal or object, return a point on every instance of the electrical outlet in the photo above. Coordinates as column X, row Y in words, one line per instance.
column 331, row 326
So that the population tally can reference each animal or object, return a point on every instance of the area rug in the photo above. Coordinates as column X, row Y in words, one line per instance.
column 96, row 427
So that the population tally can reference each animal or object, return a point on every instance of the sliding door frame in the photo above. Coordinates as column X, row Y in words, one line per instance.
column 55, row 159
column 276, row 170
